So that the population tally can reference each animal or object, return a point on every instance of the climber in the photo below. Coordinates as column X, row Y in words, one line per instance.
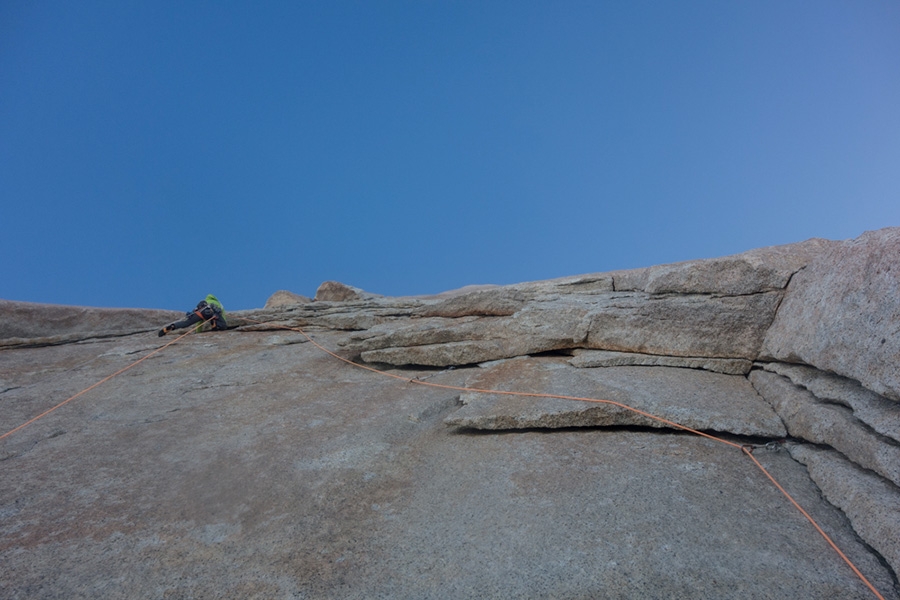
column 209, row 310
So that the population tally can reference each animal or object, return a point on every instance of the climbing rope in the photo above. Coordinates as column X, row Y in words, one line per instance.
column 99, row 383
column 749, row 452
column 747, row 449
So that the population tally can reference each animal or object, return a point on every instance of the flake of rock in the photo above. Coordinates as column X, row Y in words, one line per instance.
column 285, row 298
column 876, row 411
column 812, row 420
column 696, row 399
column 335, row 291
column 27, row 323
column 495, row 302
column 676, row 325
column 352, row 315
column 691, row 326
column 842, row 313
column 468, row 289
column 758, row 270
column 583, row 285
column 438, row 341
column 443, row 355
column 284, row 340
column 871, row 503
column 585, row 359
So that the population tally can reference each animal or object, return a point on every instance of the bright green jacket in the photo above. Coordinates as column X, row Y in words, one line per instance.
column 210, row 299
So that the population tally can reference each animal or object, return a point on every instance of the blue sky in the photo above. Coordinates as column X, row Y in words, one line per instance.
column 154, row 152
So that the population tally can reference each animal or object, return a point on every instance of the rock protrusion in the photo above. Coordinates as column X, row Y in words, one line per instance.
column 285, row 298
column 871, row 503
column 691, row 398
column 752, row 272
column 877, row 412
column 33, row 324
column 335, row 291
column 714, row 308
column 810, row 419
column 586, row 359
column 842, row 313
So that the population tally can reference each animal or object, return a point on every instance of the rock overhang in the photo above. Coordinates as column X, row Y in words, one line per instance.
column 672, row 339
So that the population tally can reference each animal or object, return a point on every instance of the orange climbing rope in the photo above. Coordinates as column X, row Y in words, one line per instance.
column 746, row 449
column 102, row 381
column 749, row 452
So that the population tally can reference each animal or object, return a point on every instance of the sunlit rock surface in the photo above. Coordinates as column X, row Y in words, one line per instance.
column 251, row 463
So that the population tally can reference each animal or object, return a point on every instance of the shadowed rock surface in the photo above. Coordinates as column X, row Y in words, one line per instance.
column 586, row 359
column 808, row 418
column 873, row 410
column 249, row 463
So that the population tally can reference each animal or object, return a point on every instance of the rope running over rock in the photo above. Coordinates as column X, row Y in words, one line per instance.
column 746, row 449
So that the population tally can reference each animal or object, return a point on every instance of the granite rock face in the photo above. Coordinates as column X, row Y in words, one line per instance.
column 760, row 270
column 250, row 463
column 335, row 291
column 872, row 410
column 585, row 359
column 285, row 298
column 871, row 503
column 841, row 314
column 27, row 323
column 808, row 418
column 692, row 325
column 693, row 398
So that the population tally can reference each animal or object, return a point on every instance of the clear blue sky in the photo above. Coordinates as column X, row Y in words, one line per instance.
column 154, row 152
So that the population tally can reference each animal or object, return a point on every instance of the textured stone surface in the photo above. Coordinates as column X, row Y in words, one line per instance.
column 335, row 291
column 354, row 315
column 27, row 323
column 871, row 503
column 249, row 463
column 759, row 270
column 438, row 341
column 695, row 399
column 232, row 466
column 842, row 313
column 810, row 419
column 495, row 302
column 879, row 413
column 682, row 325
column 586, row 359
column 715, row 308
column 689, row 326
column 285, row 298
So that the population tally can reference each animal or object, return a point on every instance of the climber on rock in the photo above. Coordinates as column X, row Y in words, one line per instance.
column 209, row 310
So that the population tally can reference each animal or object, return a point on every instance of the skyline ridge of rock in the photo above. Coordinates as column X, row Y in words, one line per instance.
column 249, row 463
